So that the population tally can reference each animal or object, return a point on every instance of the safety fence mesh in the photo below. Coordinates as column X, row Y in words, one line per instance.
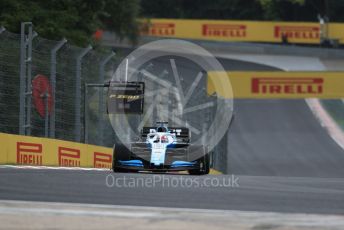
column 93, row 122
column 65, row 92
column 9, row 83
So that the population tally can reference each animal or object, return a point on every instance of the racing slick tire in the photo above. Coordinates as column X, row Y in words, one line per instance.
column 204, row 163
column 120, row 152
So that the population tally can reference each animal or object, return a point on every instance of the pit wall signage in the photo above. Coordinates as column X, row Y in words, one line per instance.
column 279, row 85
column 36, row 151
column 250, row 31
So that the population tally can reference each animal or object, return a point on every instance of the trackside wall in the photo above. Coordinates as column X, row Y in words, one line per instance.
column 26, row 150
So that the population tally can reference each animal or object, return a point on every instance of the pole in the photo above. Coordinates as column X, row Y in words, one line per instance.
column 78, row 93
column 126, row 69
column 46, row 114
column 25, row 78
column 22, row 87
column 28, row 82
column 101, row 98
column 86, row 114
column 53, row 85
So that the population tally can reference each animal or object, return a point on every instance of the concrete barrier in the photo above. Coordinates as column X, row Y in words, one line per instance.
column 242, row 31
column 26, row 150
column 278, row 85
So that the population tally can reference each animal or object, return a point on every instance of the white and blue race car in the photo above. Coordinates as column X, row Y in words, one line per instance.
column 161, row 149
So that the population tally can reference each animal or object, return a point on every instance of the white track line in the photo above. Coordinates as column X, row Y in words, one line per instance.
column 326, row 121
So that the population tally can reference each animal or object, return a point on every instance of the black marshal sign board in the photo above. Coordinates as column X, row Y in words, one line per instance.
column 126, row 97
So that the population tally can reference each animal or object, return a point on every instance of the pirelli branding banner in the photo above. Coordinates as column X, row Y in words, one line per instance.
column 279, row 85
column 254, row 31
column 24, row 150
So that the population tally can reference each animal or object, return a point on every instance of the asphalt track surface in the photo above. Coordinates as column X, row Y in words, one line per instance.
column 283, row 158
column 254, row 193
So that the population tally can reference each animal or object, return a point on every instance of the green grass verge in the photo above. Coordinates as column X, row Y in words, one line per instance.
column 336, row 110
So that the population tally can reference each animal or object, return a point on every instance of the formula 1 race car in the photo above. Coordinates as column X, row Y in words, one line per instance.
column 162, row 149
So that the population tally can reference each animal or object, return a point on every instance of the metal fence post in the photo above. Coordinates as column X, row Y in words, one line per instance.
column 28, row 93
column 86, row 114
column 101, row 99
column 46, row 114
column 28, row 82
column 22, row 80
column 53, row 84
column 25, row 69
column 78, row 93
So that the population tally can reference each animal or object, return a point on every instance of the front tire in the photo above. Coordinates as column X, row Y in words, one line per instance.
column 119, row 152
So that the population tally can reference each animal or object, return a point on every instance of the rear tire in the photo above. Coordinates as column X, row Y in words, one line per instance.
column 204, row 163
